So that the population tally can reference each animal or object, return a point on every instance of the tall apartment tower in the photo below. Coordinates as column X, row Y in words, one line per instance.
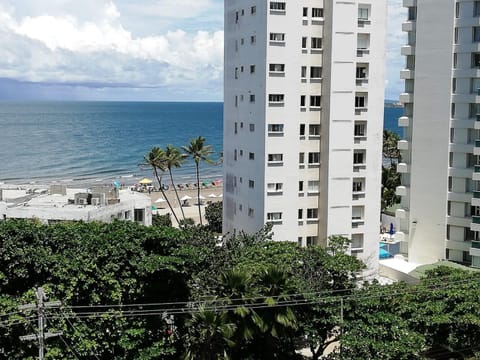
column 303, row 119
column 440, row 169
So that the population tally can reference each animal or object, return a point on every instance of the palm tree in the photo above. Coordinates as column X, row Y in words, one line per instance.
column 174, row 159
column 156, row 159
column 198, row 151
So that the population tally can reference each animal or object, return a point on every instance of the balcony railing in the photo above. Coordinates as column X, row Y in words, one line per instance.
column 476, row 219
column 475, row 244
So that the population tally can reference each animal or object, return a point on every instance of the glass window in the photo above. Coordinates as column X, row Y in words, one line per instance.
column 275, row 157
column 316, row 43
column 315, row 72
column 276, row 98
column 313, row 158
column 277, row 5
column 277, row 36
column 275, row 128
column 277, row 67
column 317, row 13
column 476, row 34
column 363, row 13
column 476, row 8
column 314, row 130
column 312, row 213
column 315, row 101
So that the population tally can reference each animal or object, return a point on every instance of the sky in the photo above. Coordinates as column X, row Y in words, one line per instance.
column 120, row 50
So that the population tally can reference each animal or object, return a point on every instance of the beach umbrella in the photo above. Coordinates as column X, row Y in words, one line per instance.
column 206, row 183
column 160, row 200
column 145, row 181
column 218, row 182
column 154, row 207
column 212, row 196
column 185, row 198
column 116, row 184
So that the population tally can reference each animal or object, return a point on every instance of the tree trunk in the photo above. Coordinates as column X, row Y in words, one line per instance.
column 176, row 193
column 198, row 193
column 166, row 198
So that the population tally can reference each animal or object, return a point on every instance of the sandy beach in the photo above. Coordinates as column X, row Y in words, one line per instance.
column 190, row 207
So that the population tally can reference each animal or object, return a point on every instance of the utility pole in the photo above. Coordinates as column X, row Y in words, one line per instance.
column 40, row 307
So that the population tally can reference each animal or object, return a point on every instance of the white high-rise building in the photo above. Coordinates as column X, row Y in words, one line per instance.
column 303, row 119
column 440, row 169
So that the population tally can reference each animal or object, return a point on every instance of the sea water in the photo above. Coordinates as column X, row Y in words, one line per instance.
column 106, row 141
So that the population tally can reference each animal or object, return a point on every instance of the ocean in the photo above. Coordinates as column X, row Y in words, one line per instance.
column 88, row 142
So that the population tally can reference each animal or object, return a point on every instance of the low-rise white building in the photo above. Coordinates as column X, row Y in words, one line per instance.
column 58, row 204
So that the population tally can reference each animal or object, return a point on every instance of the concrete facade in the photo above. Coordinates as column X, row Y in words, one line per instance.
column 440, row 157
column 303, row 119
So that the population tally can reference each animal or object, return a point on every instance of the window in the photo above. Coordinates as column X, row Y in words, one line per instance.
column 251, row 156
column 250, row 212
column 251, row 184
column 277, row 6
column 277, row 37
column 358, row 157
column 363, row 41
column 253, row 10
column 476, row 8
column 252, row 98
column 305, row 12
column 302, row 129
column 360, row 101
column 412, row 13
column 314, row 130
column 316, row 43
column 357, row 185
column 357, row 241
column 252, row 69
column 361, row 72
column 253, row 39
column 362, row 13
column 317, row 13
column 313, row 158
column 252, row 127
column 312, row 214
column 274, row 216
column 475, row 59
column 275, row 158
column 303, row 72
column 476, row 34
column 280, row 68
column 315, row 101
column 236, row 17
column 315, row 72
column 457, row 9
column 236, row 127
column 360, row 129
column 357, row 212
column 304, row 42
column 302, row 100
column 235, row 156
column 300, row 186
column 311, row 240
column 300, row 214
column 139, row 215
column 276, row 98
column 313, row 186
column 274, row 187
column 301, row 158
column 275, row 128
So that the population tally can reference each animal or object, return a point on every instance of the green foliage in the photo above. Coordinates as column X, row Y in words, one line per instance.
column 390, row 180
column 187, row 222
column 213, row 214
column 390, row 146
column 162, row 220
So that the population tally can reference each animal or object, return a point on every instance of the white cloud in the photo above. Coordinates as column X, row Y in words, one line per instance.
column 63, row 48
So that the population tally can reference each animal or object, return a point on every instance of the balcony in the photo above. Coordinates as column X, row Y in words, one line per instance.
column 404, row 121
column 361, row 52
column 475, row 224
column 401, row 236
column 407, row 50
column 408, row 26
column 403, row 168
column 401, row 214
column 476, row 149
column 406, row 98
column 403, row 145
column 401, row 191
column 407, row 74
column 476, row 173
column 476, row 198
column 475, row 248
